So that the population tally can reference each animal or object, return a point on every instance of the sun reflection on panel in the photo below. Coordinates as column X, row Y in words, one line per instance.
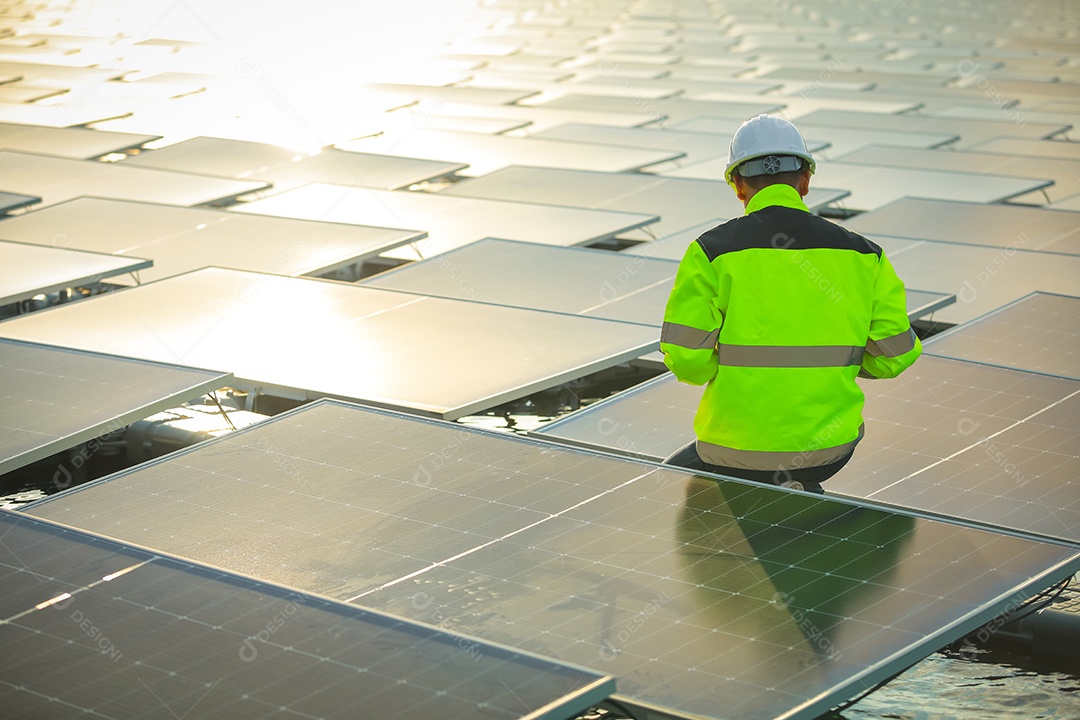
column 262, row 71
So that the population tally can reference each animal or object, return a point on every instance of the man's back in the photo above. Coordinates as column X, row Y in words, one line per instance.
column 777, row 312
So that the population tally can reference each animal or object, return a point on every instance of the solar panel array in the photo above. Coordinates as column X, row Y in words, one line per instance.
column 29, row 270
column 449, row 221
column 56, row 179
column 703, row 598
column 340, row 147
column 968, row 440
column 54, row 398
column 76, row 143
column 873, row 186
column 302, row 338
column 1039, row 333
column 180, row 239
column 16, row 201
column 1065, row 174
column 91, row 625
column 286, row 169
column 680, row 202
column 487, row 153
column 1007, row 227
column 581, row 281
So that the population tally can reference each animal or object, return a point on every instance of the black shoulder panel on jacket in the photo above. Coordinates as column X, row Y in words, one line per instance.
column 782, row 228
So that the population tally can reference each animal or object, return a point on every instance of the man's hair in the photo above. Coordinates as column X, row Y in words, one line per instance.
column 758, row 182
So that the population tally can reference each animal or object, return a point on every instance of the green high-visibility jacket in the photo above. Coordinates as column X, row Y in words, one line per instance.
column 776, row 313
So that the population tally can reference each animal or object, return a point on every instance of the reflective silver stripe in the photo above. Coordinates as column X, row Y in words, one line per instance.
column 789, row 356
column 894, row 346
column 774, row 461
column 688, row 337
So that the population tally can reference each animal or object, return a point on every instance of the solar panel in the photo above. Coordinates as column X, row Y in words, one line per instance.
column 453, row 94
column 161, row 88
column 54, row 398
column 50, row 74
column 673, row 246
column 840, row 140
column 179, row 239
column 704, row 598
column 287, row 169
column 695, row 146
column 303, row 338
column 921, row 303
column 872, row 186
column 932, row 99
column 1038, row 333
column 57, row 179
column 971, row 132
column 16, row 93
column 449, row 123
column 1032, row 148
column 15, row 201
column 189, row 118
column 75, row 143
column 974, row 111
column 515, row 78
column 539, row 118
column 252, row 109
column 93, row 626
column 982, row 443
column 799, row 101
column 1028, row 90
column 449, row 221
column 1004, row 226
column 810, row 74
column 649, row 421
column 487, row 153
column 595, row 73
column 546, row 89
column 29, row 270
column 1071, row 204
column 682, row 81
column 58, row 116
column 938, row 416
column 982, row 278
column 680, row 202
column 515, row 57
column 1063, row 173
column 666, row 111
column 593, row 283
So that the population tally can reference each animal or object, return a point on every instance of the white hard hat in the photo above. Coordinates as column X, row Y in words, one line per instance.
column 773, row 141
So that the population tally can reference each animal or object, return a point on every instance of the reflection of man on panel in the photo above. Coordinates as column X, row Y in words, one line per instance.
column 777, row 312
column 787, row 573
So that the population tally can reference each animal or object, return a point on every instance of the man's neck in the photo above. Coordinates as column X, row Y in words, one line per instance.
column 772, row 195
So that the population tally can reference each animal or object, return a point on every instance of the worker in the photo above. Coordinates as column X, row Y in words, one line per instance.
column 776, row 313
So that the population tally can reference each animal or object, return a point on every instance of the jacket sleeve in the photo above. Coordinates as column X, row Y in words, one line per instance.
column 892, row 346
column 692, row 320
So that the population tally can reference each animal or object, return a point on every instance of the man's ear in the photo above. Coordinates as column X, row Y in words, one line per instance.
column 741, row 190
column 804, row 182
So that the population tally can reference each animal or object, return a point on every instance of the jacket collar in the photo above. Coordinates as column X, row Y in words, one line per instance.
column 776, row 195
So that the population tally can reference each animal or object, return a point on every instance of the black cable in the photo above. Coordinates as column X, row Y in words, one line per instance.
column 1057, row 589
column 618, row 707
column 848, row 703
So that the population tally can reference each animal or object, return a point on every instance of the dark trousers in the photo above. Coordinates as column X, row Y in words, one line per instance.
column 810, row 477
